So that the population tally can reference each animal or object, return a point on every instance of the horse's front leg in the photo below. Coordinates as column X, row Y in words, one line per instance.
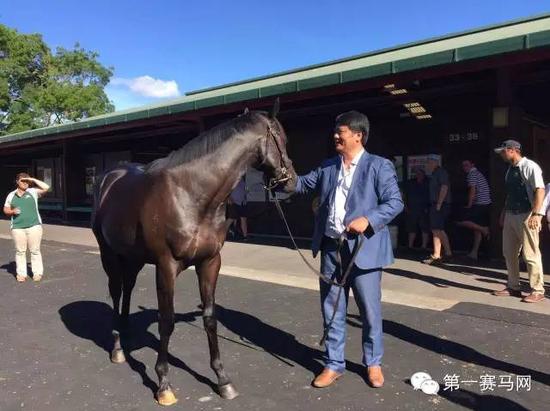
column 166, row 276
column 207, row 272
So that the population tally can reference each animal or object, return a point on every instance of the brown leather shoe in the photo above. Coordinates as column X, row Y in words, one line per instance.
column 326, row 378
column 533, row 298
column 507, row 292
column 376, row 378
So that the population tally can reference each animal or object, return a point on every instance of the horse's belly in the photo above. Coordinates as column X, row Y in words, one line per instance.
column 199, row 247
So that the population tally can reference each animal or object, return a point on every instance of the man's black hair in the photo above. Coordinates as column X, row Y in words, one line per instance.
column 356, row 121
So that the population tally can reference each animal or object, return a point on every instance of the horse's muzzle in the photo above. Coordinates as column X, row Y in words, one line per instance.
column 283, row 177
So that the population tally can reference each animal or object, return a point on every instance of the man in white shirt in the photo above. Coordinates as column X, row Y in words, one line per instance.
column 521, row 221
column 358, row 197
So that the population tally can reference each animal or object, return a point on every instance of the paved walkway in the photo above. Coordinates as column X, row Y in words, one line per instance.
column 55, row 339
column 406, row 282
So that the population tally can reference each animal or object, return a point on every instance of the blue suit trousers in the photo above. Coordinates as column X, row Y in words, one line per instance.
column 366, row 285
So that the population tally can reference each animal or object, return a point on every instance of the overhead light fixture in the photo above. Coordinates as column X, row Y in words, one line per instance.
column 424, row 117
column 417, row 110
column 399, row 91
column 410, row 105
column 390, row 88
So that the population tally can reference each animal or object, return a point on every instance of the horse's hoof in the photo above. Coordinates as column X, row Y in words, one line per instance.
column 117, row 356
column 228, row 392
column 166, row 398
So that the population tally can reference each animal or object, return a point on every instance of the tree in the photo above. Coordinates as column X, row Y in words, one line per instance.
column 39, row 88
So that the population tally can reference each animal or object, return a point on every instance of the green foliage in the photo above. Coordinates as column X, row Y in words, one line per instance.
column 39, row 88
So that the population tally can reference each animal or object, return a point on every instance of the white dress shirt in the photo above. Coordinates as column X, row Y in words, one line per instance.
column 335, row 223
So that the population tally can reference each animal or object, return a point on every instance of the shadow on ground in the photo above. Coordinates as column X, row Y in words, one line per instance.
column 91, row 320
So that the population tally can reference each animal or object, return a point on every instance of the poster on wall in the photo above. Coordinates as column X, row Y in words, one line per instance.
column 44, row 174
column 418, row 161
column 90, row 180
column 48, row 176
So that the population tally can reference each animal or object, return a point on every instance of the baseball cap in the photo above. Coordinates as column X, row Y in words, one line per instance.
column 434, row 157
column 508, row 144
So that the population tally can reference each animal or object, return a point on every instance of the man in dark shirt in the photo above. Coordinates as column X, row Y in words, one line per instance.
column 440, row 208
column 417, row 195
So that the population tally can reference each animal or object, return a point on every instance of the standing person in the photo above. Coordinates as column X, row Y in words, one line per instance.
column 440, row 208
column 26, row 225
column 238, row 208
column 546, row 205
column 359, row 196
column 521, row 220
column 478, row 208
column 417, row 204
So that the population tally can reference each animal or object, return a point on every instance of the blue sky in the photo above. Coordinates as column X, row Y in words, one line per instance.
column 161, row 49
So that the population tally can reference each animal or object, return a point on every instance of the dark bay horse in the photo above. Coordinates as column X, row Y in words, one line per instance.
column 171, row 213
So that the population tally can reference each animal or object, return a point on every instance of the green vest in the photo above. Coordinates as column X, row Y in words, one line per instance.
column 28, row 204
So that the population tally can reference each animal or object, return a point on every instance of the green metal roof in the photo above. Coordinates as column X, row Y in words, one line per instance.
column 512, row 36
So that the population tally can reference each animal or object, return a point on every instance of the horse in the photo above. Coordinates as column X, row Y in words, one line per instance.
column 171, row 213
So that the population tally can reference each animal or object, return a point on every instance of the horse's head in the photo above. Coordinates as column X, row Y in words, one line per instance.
column 273, row 158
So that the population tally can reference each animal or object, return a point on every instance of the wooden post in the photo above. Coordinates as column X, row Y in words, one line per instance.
column 505, row 101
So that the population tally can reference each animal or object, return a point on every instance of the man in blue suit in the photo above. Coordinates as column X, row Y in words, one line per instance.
column 359, row 196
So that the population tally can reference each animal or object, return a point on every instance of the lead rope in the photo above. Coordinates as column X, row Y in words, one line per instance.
column 342, row 283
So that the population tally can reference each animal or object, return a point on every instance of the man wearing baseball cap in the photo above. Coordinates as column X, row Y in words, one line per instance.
column 521, row 221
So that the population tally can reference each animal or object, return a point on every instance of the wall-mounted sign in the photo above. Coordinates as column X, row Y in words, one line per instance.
column 465, row 137
column 419, row 161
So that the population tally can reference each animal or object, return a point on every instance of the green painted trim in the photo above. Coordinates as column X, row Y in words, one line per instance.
column 377, row 52
column 79, row 209
column 367, row 72
column 242, row 96
column 181, row 107
column 320, row 81
column 185, row 104
column 209, row 102
column 278, row 89
column 428, row 60
column 50, row 207
column 491, row 48
column 540, row 39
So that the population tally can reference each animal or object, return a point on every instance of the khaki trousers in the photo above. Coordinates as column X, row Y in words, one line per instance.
column 28, row 238
column 516, row 237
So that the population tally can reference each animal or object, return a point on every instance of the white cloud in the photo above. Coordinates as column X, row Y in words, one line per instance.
column 148, row 86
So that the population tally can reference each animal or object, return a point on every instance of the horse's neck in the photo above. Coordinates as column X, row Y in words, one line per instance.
column 217, row 173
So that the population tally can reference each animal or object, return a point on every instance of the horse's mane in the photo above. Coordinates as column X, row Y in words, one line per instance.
column 207, row 142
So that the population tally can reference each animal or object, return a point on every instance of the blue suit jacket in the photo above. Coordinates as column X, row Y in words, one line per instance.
column 374, row 194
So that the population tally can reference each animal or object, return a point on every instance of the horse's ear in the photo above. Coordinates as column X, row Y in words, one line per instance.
column 275, row 108
column 245, row 111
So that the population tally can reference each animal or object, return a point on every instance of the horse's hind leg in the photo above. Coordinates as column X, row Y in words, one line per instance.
column 166, row 277
column 112, row 266
column 128, row 282
column 207, row 272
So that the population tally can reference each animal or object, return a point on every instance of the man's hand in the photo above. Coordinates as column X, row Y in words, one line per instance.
column 534, row 222
column 358, row 226
column 16, row 211
column 438, row 207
